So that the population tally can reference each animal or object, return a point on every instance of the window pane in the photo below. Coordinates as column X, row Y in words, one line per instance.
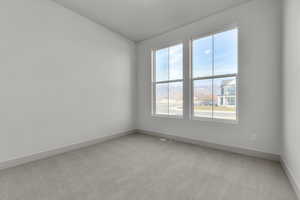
column 203, row 98
column 225, row 98
column 226, row 52
column 162, row 98
column 202, row 57
column 175, row 60
column 175, row 98
column 162, row 64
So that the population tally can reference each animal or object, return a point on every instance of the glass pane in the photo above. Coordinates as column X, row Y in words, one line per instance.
column 203, row 98
column 175, row 98
column 162, row 64
column 175, row 59
column 202, row 57
column 162, row 98
column 225, row 98
column 226, row 52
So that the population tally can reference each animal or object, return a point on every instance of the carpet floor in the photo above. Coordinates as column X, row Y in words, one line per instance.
column 139, row 167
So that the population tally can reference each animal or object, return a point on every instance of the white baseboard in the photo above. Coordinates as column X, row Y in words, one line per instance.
column 291, row 177
column 238, row 150
column 53, row 152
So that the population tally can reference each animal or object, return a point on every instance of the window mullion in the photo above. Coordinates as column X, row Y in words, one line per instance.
column 154, row 98
column 213, row 73
column 168, row 80
column 154, row 82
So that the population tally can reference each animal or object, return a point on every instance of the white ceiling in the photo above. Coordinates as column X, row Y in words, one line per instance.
column 142, row 19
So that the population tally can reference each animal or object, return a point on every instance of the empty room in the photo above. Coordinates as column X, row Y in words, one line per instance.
column 150, row 100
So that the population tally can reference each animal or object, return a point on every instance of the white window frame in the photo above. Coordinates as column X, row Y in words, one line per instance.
column 236, row 75
column 188, row 104
column 154, row 82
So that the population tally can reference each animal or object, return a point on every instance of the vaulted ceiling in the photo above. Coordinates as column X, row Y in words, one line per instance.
column 142, row 19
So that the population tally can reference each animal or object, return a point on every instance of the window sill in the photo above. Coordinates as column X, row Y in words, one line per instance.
column 224, row 121
column 167, row 116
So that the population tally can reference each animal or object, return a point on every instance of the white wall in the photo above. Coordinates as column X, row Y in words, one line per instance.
column 63, row 79
column 259, row 127
column 291, row 94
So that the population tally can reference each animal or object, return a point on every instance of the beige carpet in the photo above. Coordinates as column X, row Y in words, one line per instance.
column 139, row 167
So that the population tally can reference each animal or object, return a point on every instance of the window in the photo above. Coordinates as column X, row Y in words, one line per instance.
column 167, row 81
column 210, row 83
column 214, row 75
